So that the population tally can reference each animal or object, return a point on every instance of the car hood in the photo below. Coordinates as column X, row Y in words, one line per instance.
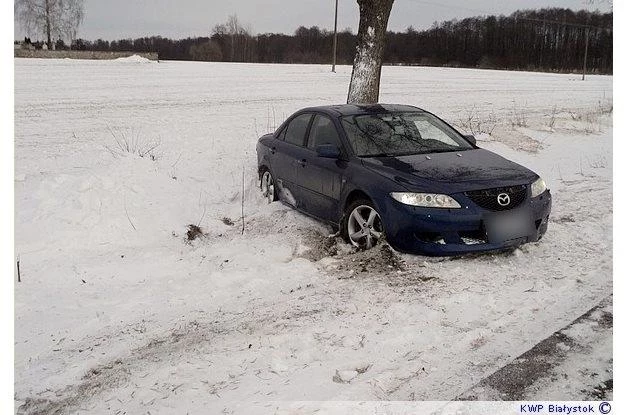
column 451, row 172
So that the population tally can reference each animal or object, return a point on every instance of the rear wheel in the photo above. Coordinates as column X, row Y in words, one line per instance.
column 267, row 187
column 363, row 226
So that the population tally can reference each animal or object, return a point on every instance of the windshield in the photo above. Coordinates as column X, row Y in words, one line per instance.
column 400, row 134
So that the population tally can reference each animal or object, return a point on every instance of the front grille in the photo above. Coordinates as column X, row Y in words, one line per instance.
column 488, row 199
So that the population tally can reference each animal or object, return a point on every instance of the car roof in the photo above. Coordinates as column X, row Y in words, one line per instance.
column 362, row 109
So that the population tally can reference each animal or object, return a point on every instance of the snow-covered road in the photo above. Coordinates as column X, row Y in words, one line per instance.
column 116, row 310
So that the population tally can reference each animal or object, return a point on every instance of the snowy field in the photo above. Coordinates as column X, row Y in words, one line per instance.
column 118, row 311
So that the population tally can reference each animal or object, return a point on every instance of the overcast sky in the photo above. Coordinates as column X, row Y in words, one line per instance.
column 117, row 19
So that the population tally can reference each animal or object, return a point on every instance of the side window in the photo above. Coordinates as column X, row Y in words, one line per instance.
column 323, row 131
column 296, row 130
column 282, row 134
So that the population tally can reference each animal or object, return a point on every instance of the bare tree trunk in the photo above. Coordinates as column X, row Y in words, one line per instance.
column 364, row 87
column 231, row 47
column 48, row 24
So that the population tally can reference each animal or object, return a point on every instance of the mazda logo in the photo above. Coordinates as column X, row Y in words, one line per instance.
column 503, row 199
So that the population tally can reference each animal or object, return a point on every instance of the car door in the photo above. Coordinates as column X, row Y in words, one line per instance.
column 286, row 156
column 320, row 178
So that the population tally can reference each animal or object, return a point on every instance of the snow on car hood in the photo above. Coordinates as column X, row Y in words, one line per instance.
column 455, row 171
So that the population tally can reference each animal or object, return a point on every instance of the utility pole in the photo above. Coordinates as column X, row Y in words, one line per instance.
column 585, row 54
column 336, row 10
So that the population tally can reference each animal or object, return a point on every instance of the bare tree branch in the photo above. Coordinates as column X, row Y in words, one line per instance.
column 52, row 19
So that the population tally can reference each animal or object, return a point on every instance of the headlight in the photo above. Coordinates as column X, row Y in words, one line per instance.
column 538, row 187
column 426, row 200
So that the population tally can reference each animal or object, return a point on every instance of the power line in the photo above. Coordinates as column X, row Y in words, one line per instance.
column 431, row 3
column 564, row 23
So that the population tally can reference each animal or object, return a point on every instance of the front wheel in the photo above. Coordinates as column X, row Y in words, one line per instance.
column 267, row 187
column 363, row 226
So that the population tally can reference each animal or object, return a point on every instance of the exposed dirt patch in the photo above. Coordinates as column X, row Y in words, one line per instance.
column 564, row 219
column 319, row 245
column 606, row 320
column 379, row 260
column 194, row 232
column 227, row 221
column 346, row 261
column 602, row 391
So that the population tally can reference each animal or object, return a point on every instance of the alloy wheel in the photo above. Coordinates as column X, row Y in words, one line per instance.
column 267, row 187
column 364, row 227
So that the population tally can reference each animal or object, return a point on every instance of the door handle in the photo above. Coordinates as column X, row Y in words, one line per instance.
column 302, row 162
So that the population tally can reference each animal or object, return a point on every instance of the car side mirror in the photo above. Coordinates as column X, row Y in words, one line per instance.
column 328, row 151
column 471, row 139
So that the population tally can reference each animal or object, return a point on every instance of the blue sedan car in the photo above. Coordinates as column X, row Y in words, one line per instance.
column 400, row 172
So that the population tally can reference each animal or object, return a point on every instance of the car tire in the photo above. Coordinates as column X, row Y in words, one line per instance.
column 362, row 224
column 268, row 186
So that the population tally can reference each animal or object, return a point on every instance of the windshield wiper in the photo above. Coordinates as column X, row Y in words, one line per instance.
column 377, row 155
column 440, row 150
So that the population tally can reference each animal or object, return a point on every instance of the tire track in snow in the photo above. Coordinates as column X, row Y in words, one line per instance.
column 195, row 337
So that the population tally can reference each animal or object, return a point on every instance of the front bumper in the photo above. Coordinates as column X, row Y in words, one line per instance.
column 445, row 232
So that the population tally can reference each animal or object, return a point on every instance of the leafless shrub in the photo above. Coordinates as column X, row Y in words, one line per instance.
column 202, row 203
column 242, row 200
column 605, row 106
column 194, row 230
column 271, row 119
column 552, row 118
column 475, row 124
column 518, row 118
column 599, row 163
column 172, row 172
column 591, row 122
column 574, row 115
column 591, row 118
column 131, row 142
column 581, row 167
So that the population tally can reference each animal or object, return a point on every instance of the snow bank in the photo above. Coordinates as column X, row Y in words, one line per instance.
column 134, row 59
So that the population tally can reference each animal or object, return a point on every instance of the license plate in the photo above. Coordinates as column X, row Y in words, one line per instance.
column 505, row 226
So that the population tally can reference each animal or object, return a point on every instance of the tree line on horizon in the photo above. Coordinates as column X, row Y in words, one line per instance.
column 551, row 39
